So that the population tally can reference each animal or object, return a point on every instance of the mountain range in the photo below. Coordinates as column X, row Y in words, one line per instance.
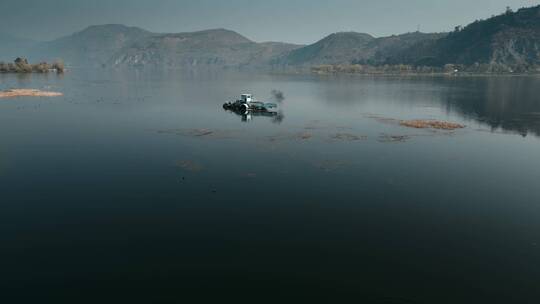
column 510, row 40
column 210, row 48
column 352, row 47
column 91, row 47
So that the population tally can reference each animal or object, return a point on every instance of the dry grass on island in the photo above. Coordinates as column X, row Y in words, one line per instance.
column 28, row 92
column 431, row 124
column 419, row 123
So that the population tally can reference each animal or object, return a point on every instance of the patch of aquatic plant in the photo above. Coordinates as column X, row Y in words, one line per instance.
column 28, row 92
column 189, row 165
column 347, row 137
column 389, row 138
column 431, row 124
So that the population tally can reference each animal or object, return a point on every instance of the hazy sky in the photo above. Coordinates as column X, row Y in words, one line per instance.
column 300, row 21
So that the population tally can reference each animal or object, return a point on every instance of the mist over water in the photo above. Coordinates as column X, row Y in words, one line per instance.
column 138, row 186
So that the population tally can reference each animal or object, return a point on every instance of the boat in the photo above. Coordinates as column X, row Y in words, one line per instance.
column 247, row 103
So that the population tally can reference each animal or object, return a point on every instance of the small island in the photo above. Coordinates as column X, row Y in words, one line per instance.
column 21, row 65
column 28, row 93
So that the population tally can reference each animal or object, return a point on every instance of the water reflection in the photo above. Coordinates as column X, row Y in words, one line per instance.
column 134, row 176
column 248, row 116
column 510, row 104
column 503, row 103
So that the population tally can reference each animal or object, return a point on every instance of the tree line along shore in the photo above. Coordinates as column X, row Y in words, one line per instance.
column 21, row 65
column 405, row 69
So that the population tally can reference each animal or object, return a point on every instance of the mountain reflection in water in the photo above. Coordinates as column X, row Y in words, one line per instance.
column 508, row 103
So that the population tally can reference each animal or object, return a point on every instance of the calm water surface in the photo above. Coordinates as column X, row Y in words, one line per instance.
column 139, row 187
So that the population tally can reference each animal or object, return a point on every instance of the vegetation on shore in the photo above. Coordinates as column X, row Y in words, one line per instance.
column 21, row 65
column 409, row 69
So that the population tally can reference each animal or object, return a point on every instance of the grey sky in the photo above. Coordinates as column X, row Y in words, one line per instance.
column 300, row 21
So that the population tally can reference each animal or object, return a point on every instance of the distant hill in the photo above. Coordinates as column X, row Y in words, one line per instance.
column 12, row 47
column 508, row 42
column 510, row 39
column 333, row 49
column 352, row 47
column 120, row 45
column 381, row 49
column 267, row 52
column 92, row 46
column 210, row 48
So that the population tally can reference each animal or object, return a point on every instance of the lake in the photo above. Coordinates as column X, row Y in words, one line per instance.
column 136, row 186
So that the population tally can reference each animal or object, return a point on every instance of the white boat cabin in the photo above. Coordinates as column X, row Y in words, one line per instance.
column 246, row 97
